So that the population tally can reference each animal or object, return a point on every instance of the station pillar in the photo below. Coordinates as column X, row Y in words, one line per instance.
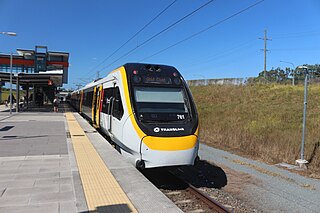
column 33, row 95
column 27, row 94
column 0, row 92
column 17, row 94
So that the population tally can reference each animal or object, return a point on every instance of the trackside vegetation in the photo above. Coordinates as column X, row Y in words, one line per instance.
column 262, row 121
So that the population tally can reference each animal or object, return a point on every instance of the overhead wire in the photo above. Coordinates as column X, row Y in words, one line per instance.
column 297, row 36
column 159, row 33
column 298, row 49
column 223, row 53
column 204, row 30
column 313, row 32
column 133, row 36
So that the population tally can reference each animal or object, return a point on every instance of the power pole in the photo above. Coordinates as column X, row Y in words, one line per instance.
column 98, row 74
column 78, row 86
column 265, row 38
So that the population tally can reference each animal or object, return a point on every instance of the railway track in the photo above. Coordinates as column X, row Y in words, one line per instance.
column 186, row 196
column 212, row 203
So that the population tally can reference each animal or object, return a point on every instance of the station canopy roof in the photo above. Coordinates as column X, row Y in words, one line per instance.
column 38, row 67
column 29, row 54
column 40, row 79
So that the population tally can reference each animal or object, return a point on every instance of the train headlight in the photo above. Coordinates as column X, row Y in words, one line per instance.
column 136, row 79
column 177, row 81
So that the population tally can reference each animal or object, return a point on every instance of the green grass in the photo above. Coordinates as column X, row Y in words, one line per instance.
column 260, row 120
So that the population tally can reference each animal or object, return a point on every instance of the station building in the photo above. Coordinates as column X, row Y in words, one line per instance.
column 39, row 72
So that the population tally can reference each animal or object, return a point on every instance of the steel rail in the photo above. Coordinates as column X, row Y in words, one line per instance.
column 212, row 203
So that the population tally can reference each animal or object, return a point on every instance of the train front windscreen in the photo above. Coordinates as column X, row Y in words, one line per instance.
column 161, row 104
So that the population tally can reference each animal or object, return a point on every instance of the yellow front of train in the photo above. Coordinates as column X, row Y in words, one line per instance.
column 162, row 116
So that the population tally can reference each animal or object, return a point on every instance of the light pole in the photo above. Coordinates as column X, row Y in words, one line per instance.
column 10, row 34
column 10, row 94
column 302, row 162
column 293, row 68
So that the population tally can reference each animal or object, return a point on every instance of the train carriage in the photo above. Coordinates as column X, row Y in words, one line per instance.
column 148, row 113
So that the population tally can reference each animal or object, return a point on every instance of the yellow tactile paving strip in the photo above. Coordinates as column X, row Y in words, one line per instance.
column 102, row 191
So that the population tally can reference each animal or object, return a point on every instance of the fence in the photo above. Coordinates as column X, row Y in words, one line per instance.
column 222, row 81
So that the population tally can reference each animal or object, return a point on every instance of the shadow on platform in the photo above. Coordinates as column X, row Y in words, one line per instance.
column 10, row 137
column 121, row 208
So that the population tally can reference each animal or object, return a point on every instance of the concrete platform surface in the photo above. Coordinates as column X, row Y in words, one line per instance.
column 39, row 172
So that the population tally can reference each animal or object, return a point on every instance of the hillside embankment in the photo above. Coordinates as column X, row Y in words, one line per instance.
column 261, row 121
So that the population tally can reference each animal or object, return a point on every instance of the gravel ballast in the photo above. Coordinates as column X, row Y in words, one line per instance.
column 265, row 187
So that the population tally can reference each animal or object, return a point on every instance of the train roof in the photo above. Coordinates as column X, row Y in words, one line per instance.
column 133, row 66
column 153, row 67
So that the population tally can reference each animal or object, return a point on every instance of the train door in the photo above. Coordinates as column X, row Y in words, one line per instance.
column 96, row 106
column 106, row 109
column 80, row 101
column 116, row 115
column 93, row 106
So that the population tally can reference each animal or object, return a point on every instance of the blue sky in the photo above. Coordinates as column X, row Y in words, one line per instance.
column 92, row 30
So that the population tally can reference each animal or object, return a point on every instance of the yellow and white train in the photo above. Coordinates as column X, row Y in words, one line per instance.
column 148, row 113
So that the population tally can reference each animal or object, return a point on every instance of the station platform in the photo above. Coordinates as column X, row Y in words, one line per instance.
column 57, row 162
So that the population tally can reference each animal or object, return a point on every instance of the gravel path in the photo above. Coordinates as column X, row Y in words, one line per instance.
column 266, row 187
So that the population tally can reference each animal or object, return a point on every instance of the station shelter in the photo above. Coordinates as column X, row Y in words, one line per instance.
column 38, row 72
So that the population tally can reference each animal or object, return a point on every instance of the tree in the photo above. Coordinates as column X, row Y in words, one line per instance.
column 314, row 70
column 275, row 75
column 284, row 76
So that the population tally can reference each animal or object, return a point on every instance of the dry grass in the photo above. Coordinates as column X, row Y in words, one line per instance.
column 261, row 121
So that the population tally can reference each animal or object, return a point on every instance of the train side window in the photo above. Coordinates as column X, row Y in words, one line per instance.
column 84, row 98
column 108, row 94
column 117, row 105
column 87, row 98
column 90, row 97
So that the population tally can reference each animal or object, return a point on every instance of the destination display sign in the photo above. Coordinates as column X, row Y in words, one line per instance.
column 156, row 80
